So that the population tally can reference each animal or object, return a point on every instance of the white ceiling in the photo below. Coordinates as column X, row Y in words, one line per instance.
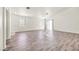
column 38, row 10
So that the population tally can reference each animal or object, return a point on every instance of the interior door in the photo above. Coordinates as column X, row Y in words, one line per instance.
column 49, row 28
column 49, row 24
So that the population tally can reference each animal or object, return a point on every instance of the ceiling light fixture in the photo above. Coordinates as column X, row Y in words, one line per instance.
column 27, row 7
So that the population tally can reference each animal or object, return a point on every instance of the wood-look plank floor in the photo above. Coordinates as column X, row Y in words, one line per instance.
column 39, row 41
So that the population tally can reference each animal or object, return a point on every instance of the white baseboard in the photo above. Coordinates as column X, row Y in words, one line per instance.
column 67, row 31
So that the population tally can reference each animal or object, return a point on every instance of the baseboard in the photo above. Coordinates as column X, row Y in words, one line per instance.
column 67, row 32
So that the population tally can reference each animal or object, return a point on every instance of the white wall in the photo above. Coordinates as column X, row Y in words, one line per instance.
column 67, row 21
column 35, row 22
column 26, row 23
column 1, row 29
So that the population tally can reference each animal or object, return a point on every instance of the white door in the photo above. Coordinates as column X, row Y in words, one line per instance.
column 49, row 25
column 49, row 29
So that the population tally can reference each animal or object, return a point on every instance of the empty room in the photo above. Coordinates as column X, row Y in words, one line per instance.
column 39, row 28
